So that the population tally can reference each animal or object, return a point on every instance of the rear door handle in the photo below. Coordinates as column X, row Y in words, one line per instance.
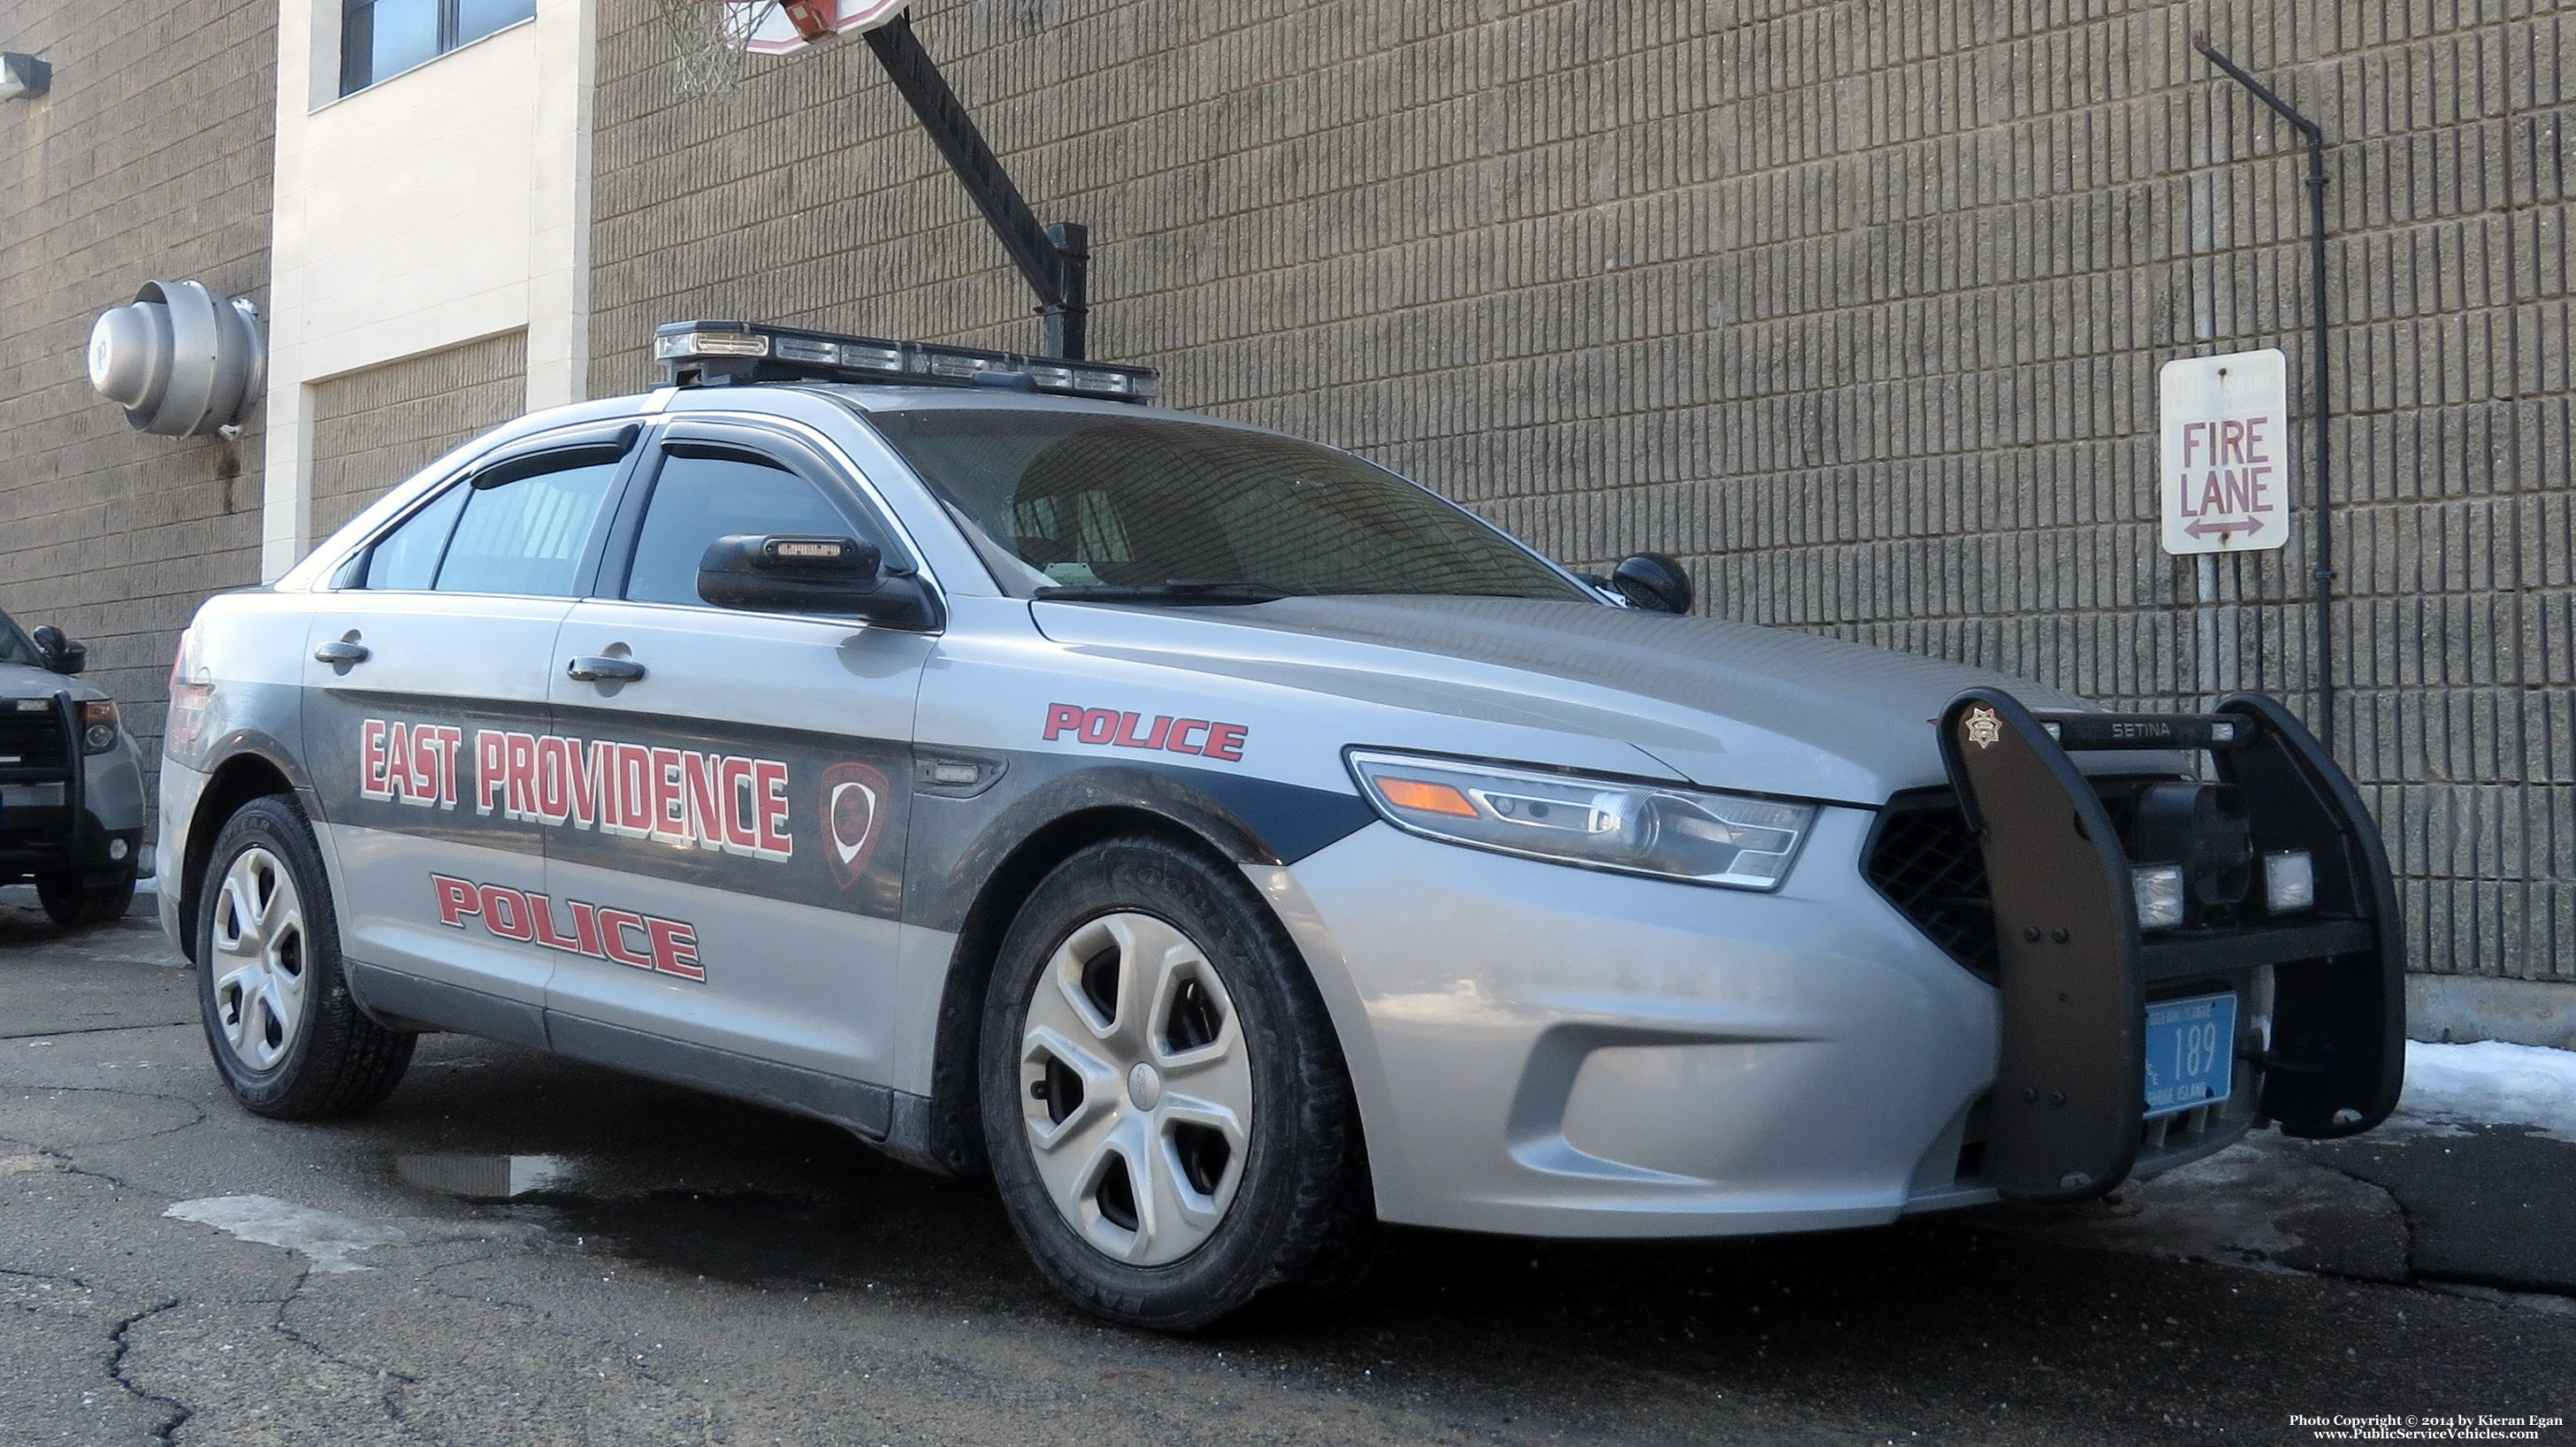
column 341, row 651
column 589, row 669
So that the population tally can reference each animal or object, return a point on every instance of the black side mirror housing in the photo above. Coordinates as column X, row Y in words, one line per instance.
column 1654, row 582
column 58, row 652
column 804, row 573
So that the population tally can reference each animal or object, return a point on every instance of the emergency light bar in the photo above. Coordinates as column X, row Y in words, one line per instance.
column 715, row 354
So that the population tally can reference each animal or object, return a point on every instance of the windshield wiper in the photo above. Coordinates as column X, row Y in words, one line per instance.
column 1176, row 590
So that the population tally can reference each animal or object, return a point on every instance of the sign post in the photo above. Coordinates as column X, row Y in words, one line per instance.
column 2226, row 452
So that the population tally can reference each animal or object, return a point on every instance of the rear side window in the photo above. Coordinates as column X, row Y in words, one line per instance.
column 408, row 556
column 526, row 536
column 701, row 496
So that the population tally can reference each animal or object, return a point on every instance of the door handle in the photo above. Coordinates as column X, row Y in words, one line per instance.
column 341, row 651
column 589, row 669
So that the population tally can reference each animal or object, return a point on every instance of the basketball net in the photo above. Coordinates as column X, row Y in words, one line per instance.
column 708, row 38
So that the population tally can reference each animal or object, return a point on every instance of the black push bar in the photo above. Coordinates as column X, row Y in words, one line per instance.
column 2069, row 1100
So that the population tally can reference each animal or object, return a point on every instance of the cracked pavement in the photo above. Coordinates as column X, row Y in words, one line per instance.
column 632, row 1263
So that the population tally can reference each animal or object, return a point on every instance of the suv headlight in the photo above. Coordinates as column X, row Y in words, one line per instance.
column 98, row 726
column 1653, row 829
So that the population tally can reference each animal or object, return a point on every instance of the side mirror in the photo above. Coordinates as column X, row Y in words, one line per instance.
column 801, row 573
column 1654, row 582
column 58, row 652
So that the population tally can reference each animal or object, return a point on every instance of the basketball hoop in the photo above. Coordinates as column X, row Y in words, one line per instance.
column 710, row 37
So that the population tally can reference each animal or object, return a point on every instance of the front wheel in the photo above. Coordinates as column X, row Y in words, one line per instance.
column 286, row 1035
column 74, row 903
column 1164, row 1103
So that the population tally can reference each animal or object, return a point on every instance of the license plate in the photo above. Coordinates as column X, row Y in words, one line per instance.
column 2191, row 1052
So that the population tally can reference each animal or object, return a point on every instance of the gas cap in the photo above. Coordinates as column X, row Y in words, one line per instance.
column 180, row 360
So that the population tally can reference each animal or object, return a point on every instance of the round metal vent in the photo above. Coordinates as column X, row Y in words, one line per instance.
column 180, row 360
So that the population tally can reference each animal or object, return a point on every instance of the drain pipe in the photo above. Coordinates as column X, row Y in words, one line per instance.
column 2324, row 505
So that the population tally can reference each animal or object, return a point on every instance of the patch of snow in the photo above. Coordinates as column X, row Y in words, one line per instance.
column 2490, row 1082
column 325, row 1236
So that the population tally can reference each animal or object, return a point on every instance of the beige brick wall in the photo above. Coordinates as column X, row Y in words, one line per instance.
column 374, row 428
column 149, row 160
column 1859, row 307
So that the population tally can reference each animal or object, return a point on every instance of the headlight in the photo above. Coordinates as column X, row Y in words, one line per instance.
column 98, row 727
column 1671, row 833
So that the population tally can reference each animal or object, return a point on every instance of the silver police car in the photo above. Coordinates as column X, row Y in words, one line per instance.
column 1232, row 848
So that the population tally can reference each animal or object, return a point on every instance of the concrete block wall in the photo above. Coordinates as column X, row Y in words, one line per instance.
column 1858, row 307
column 374, row 428
column 149, row 160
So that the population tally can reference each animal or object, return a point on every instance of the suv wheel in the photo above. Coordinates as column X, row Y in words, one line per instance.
column 1164, row 1103
column 73, row 904
column 289, row 1040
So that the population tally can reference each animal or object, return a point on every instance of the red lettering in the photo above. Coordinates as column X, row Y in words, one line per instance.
column 1162, row 732
column 670, row 801
column 706, row 810
column 585, row 929
column 456, row 900
column 1099, row 726
column 1225, row 741
column 2231, row 441
column 675, row 948
column 1062, row 718
column 522, row 770
column 1180, row 740
column 740, row 834
column 555, row 767
column 771, row 779
column 612, row 926
column 451, row 743
column 1128, row 738
column 634, row 765
column 2255, row 451
column 398, row 761
column 371, row 760
column 2191, row 439
column 505, row 912
column 541, row 913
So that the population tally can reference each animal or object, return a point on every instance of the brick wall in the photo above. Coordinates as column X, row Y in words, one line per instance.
column 374, row 428
column 1858, row 307
column 149, row 160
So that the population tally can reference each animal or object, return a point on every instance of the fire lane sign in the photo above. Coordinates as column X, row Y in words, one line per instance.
column 2226, row 452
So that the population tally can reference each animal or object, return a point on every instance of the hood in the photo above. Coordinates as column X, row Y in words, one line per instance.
column 1721, row 704
column 22, row 680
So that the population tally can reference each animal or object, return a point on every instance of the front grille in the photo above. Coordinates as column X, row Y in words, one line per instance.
column 31, row 743
column 1927, row 864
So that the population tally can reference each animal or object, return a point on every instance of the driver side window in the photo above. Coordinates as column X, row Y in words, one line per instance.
column 701, row 495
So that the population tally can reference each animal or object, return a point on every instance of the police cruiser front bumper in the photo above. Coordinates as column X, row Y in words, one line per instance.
column 1552, row 1051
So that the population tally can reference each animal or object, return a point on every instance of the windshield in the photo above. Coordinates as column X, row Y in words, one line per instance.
column 14, row 647
column 1075, row 502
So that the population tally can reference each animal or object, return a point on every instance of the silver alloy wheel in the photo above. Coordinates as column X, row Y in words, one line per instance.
column 1136, row 1084
column 260, row 958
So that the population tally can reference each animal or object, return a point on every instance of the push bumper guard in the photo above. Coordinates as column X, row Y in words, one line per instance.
column 2076, row 969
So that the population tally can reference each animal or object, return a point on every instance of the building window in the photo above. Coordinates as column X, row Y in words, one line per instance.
column 383, row 38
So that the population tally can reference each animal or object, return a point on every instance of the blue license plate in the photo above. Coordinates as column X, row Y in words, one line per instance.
column 2191, row 1052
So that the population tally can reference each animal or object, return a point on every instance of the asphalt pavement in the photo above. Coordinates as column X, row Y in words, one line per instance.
column 521, row 1250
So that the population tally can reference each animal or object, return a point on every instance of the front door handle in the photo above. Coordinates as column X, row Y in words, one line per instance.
column 340, row 652
column 589, row 669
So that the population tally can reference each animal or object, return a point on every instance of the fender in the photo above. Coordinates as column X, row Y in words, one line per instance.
column 1251, row 820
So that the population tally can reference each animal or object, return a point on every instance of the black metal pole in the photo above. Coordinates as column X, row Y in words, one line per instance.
column 1054, row 265
column 2323, row 365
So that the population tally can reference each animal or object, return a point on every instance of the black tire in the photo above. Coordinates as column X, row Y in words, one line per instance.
column 1300, row 1225
column 75, row 905
column 336, row 1061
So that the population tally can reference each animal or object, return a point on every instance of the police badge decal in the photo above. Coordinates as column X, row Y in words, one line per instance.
column 854, row 797
column 1982, row 727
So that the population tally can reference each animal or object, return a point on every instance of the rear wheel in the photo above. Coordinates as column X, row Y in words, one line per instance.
column 73, row 903
column 1164, row 1103
column 286, row 1035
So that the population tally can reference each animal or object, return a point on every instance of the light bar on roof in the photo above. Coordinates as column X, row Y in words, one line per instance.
column 714, row 353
